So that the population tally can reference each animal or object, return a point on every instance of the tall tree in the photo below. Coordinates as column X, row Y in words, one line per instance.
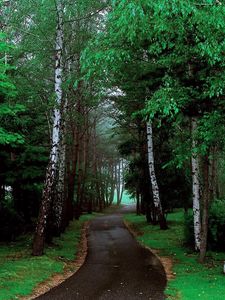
column 51, row 172
column 154, row 183
column 196, row 187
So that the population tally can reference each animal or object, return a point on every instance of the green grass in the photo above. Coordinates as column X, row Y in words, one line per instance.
column 20, row 273
column 193, row 280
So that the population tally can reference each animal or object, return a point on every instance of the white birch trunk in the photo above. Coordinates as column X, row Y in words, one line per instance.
column 39, row 238
column 61, row 164
column 58, row 85
column 196, row 188
column 60, row 192
column 151, row 164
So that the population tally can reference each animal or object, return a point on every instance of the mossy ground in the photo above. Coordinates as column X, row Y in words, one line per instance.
column 193, row 280
column 20, row 273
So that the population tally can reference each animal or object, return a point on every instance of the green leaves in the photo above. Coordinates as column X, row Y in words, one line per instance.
column 8, row 138
column 7, row 88
column 7, row 91
column 211, row 131
column 168, row 100
column 11, row 110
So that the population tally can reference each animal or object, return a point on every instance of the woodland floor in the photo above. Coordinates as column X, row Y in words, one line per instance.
column 116, row 267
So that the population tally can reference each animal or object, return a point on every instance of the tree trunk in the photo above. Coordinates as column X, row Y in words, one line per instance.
column 154, row 184
column 122, row 182
column 121, row 194
column 79, row 199
column 72, row 172
column 96, row 170
column 60, row 187
column 39, row 237
column 101, row 183
column 2, row 190
column 112, row 183
column 213, row 175
column 196, row 188
column 205, row 210
column 138, row 202
column 118, row 183
column 85, row 157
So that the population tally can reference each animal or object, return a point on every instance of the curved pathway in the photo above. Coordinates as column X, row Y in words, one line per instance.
column 116, row 267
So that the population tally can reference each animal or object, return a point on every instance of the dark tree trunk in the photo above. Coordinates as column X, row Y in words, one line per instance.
column 2, row 189
column 154, row 216
column 162, row 221
column 72, row 173
column 118, row 182
column 213, row 175
column 90, row 209
column 148, row 213
column 205, row 210
column 138, row 202
column 40, row 234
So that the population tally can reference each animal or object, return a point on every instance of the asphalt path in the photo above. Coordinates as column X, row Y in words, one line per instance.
column 116, row 267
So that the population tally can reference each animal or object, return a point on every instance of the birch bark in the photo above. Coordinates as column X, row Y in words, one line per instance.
column 196, row 188
column 154, row 183
column 39, row 237
column 60, row 185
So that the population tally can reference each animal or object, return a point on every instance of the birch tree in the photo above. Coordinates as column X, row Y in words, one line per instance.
column 154, row 183
column 195, row 187
column 59, row 192
column 39, row 238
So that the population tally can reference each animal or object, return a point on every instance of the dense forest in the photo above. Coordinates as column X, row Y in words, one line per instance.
column 98, row 97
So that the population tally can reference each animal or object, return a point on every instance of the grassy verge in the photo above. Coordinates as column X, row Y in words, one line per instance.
column 192, row 280
column 20, row 273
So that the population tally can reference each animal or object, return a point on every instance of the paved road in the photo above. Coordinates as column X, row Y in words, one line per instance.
column 117, row 267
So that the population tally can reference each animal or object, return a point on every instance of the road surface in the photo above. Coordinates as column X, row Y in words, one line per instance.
column 116, row 267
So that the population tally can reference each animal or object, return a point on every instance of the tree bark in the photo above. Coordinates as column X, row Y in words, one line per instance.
column 39, row 237
column 154, row 183
column 213, row 174
column 112, row 183
column 60, row 187
column 205, row 210
column 138, row 202
column 196, row 188
column 122, row 181
column 118, row 177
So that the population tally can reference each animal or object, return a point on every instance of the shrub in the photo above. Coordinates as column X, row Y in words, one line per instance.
column 11, row 224
column 217, row 225
column 189, row 230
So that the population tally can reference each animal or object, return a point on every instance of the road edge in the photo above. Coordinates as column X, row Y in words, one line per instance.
column 69, row 270
column 166, row 261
